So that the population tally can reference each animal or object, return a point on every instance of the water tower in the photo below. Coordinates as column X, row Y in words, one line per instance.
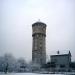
column 39, row 43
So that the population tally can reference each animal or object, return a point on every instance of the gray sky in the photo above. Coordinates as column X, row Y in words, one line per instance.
column 17, row 17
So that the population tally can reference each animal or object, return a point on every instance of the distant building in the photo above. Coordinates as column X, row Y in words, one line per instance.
column 62, row 61
column 39, row 43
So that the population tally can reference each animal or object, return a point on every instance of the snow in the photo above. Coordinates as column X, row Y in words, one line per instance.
column 27, row 74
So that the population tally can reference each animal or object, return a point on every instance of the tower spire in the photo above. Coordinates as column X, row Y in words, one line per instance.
column 38, row 20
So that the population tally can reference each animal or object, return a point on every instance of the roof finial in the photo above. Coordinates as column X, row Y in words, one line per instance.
column 38, row 20
column 58, row 52
column 69, row 53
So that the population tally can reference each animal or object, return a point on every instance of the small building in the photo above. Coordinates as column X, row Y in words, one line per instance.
column 62, row 62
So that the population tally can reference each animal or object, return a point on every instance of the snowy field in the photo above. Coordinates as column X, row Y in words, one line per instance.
column 35, row 74
column 27, row 74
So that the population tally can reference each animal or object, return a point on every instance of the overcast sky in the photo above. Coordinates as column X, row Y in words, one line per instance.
column 17, row 17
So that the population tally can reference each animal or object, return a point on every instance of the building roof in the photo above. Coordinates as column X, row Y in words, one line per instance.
column 66, row 54
column 60, row 55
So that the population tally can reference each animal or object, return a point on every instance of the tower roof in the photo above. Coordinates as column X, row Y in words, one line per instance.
column 38, row 23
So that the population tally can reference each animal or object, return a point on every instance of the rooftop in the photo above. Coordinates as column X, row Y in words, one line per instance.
column 38, row 22
column 58, row 54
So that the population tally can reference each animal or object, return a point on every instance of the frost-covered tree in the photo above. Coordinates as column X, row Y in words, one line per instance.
column 21, row 65
column 9, row 63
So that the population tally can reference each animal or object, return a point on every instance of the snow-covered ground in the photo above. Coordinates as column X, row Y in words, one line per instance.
column 27, row 74
column 35, row 74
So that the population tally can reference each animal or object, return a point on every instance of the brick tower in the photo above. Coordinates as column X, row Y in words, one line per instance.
column 39, row 43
